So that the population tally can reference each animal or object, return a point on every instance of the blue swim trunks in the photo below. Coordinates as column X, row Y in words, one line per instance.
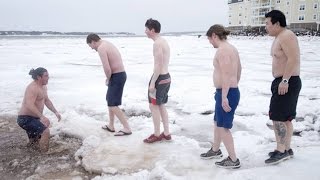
column 225, row 119
column 115, row 88
column 32, row 125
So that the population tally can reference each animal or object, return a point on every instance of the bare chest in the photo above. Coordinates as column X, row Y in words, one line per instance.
column 277, row 51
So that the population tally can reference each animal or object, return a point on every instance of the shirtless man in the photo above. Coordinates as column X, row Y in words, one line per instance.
column 30, row 116
column 159, row 84
column 115, row 80
column 286, row 86
column 226, row 76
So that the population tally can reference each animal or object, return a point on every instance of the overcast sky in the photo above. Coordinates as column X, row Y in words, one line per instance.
column 111, row 15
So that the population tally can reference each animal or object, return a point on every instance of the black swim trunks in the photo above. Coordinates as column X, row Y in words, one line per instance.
column 162, row 87
column 32, row 125
column 115, row 88
column 283, row 107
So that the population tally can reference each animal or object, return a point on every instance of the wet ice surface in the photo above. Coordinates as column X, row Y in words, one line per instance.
column 76, row 87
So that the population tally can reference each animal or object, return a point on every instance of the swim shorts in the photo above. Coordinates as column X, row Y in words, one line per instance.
column 32, row 125
column 222, row 118
column 115, row 88
column 283, row 107
column 162, row 86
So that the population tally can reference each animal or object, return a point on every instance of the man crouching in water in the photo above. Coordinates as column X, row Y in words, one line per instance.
column 31, row 116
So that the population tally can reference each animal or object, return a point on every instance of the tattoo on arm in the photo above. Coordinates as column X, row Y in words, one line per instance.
column 281, row 131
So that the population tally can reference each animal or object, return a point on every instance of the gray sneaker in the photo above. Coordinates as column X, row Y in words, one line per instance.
column 228, row 163
column 290, row 152
column 211, row 154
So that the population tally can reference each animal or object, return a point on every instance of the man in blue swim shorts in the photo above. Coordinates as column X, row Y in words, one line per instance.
column 226, row 76
column 30, row 116
column 115, row 79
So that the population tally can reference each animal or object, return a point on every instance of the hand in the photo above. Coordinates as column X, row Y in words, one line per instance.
column 283, row 88
column 58, row 116
column 225, row 105
column 107, row 82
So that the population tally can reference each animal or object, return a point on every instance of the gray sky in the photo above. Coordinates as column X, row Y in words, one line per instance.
column 111, row 15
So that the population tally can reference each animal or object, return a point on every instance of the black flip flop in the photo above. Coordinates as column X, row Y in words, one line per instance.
column 122, row 133
column 105, row 127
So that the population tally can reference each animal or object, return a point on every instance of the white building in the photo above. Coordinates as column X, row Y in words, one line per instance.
column 300, row 14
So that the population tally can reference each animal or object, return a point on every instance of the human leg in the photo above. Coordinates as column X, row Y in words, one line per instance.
column 289, row 134
column 165, row 119
column 122, row 117
column 227, row 140
column 44, row 140
column 111, row 119
column 155, row 111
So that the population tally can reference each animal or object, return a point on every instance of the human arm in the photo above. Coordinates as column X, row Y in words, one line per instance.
column 290, row 47
column 51, row 107
column 105, row 62
column 225, row 64
column 239, row 71
column 158, row 64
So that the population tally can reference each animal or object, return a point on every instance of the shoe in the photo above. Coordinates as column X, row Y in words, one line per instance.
column 228, row 163
column 211, row 154
column 168, row 137
column 152, row 138
column 290, row 152
column 277, row 157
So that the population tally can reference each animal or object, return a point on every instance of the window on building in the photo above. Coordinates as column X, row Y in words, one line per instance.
column 315, row 6
column 287, row 12
column 288, row 2
column 302, row 7
column 301, row 18
column 278, row 1
column 240, row 14
column 314, row 17
column 239, row 22
column 229, row 22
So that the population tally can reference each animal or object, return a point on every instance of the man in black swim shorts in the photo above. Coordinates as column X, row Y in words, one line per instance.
column 285, row 87
column 31, row 117
column 159, row 84
column 115, row 79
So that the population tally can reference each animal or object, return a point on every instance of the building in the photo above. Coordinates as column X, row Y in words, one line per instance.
column 301, row 15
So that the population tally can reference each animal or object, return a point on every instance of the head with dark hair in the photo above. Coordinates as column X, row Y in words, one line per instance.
column 93, row 40
column 92, row 37
column 275, row 22
column 153, row 24
column 216, row 34
column 219, row 31
column 277, row 16
column 38, row 73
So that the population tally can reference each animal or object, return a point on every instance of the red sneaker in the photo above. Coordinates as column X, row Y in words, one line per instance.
column 166, row 137
column 152, row 138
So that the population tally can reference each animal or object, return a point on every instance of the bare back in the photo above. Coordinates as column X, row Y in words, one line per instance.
column 285, row 48
column 114, row 60
column 226, row 63
column 161, row 52
column 34, row 97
